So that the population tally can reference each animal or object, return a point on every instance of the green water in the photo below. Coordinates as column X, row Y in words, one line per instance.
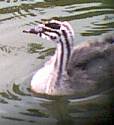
column 21, row 55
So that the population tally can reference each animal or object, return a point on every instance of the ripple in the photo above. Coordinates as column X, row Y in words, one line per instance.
column 19, row 9
column 39, row 49
column 10, row 50
column 9, row 95
column 17, row 90
column 35, row 112
column 14, row 119
column 45, row 53
column 3, row 101
column 34, row 47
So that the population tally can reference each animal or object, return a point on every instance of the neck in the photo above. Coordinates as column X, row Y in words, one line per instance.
column 63, row 53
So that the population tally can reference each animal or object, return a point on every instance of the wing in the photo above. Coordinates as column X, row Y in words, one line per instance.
column 92, row 66
column 84, row 56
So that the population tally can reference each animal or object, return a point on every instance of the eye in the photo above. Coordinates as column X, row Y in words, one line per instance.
column 53, row 37
column 53, row 25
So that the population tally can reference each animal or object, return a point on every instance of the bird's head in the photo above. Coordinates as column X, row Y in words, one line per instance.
column 53, row 30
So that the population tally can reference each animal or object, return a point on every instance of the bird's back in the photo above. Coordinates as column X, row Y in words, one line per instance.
column 91, row 66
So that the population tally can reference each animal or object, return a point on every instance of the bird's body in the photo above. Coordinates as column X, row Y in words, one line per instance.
column 80, row 70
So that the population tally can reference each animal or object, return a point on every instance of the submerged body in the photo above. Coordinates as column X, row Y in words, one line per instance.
column 81, row 70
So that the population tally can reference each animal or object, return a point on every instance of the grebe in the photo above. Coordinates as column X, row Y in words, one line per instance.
column 80, row 70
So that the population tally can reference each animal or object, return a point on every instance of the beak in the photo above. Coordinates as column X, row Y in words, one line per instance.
column 33, row 31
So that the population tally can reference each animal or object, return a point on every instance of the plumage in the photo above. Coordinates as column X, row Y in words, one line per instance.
column 82, row 70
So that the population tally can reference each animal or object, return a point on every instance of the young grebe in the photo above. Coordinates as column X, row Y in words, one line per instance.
column 87, row 68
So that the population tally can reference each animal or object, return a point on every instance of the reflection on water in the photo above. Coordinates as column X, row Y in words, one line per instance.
column 28, row 109
column 21, row 55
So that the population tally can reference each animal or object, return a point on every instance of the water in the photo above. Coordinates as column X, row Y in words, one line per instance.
column 21, row 55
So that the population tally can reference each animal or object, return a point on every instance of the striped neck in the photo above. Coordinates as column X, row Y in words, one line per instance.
column 63, row 53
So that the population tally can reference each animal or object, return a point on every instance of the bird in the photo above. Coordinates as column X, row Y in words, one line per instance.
column 81, row 70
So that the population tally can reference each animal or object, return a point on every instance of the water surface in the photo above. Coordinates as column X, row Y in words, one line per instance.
column 21, row 55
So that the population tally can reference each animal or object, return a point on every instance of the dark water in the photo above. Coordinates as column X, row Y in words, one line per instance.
column 21, row 55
